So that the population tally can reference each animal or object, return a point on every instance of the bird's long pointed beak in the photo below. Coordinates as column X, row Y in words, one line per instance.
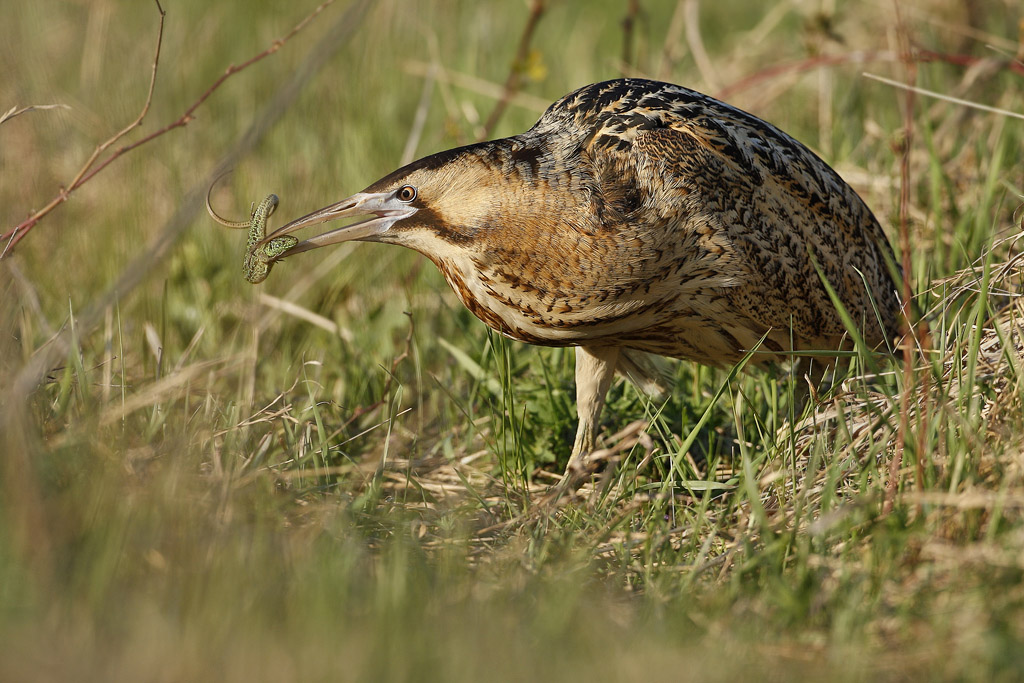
column 383, row 206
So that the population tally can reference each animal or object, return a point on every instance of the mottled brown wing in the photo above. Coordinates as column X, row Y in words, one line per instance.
column 781, row 209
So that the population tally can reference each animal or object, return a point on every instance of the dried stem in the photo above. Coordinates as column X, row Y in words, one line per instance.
column 90, row 168
column 907, row 331
column 946, row 98
column 14, row 111
column 78, row 180
column 514, row 80
column 628, row 26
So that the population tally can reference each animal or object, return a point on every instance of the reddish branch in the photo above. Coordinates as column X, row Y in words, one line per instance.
column 922, row 55
column 92, row 166
column 916, row 56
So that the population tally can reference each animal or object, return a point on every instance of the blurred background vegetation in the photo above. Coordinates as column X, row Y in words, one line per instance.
column 336, row 474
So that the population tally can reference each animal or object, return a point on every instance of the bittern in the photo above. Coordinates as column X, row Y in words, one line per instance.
column 638, row 216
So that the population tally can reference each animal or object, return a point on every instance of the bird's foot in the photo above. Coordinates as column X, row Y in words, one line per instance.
column 599, row 465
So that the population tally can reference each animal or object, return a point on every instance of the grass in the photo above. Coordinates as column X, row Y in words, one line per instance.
column 341, row 474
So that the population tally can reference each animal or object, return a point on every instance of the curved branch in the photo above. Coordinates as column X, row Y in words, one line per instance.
column 90, row 168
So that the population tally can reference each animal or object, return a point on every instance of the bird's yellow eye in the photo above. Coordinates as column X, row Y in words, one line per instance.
column 406, row 193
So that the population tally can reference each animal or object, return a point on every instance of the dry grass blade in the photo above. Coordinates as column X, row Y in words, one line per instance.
column 946, row 98
column 864, row 423
column 162, row 388
column 293, row 309
column 14, row 111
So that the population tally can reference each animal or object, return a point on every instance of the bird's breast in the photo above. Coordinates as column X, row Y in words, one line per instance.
column 565, row 286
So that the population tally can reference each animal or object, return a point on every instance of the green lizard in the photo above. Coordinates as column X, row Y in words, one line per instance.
column 259, row 255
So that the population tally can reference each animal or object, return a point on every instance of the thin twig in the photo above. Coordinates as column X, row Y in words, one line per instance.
column 944, row 97
column 138, row 119
column 12, row 237
column 628, row 26
column 514, row 80
column 90, row 168
column 923, row 55
column 907, row 326
column 14, row 111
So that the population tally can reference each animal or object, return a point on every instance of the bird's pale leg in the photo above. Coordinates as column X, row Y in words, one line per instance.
column 595, row 367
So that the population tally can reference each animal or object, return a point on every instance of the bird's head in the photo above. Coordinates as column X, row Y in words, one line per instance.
column 448, row 196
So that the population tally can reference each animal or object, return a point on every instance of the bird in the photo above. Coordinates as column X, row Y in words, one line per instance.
column 639, row 217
